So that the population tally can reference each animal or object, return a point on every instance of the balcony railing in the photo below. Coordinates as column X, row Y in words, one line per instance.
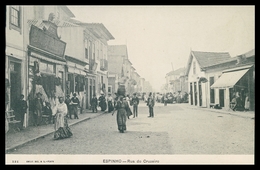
column 103, row 65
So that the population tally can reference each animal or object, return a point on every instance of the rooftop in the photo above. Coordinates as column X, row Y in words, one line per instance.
column 206, row 59
column 177, row 72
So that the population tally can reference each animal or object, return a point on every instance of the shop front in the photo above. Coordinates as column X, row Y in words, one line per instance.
column 46, row 65
column 76, row 80
column 236, row 82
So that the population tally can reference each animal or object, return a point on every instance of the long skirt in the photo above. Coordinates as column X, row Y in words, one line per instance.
column 63, row 132
column 110, row 106
column 121, row 119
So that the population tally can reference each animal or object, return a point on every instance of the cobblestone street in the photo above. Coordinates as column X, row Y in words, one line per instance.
column 175, row 129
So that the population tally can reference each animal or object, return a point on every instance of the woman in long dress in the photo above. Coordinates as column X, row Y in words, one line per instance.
column 121, row 107
column 61, row 127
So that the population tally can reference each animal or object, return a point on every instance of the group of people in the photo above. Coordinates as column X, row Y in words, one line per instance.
column 122, row 107
column 238, row 103
column 57, row 114
column 64, row 109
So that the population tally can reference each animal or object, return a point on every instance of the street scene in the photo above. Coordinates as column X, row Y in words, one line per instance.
column 129, row 80
column 175, row 129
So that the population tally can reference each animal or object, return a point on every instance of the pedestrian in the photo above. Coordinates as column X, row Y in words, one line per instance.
column 247, row 103
column 61, row 127
column 74, row 105
column 129, row 112
column 69, row 106
column 165, row 99
column 135, row 102
column 150, row 104
column 37, row 109
column 121, row 107
column 110, row 103
column 20, row 110
column 102, row 102
column 115, row 99
column 47, row 111
column 94, row 103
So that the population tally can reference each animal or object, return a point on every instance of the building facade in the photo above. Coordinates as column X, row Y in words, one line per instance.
column 176, row 81
column 205, row 68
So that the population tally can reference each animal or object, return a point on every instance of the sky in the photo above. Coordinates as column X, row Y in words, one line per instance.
column 160, row 38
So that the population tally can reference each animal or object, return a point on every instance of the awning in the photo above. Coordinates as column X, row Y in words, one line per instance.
column 229, row 79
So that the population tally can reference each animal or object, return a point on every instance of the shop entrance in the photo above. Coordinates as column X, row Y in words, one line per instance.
column 221, row 97
column 200, row 94
column 15, row 82
column 191, row 94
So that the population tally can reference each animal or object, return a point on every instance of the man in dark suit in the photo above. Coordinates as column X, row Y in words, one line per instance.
column 94, row 103
column 135, row 102
column 75, row 105
column 150, row 104
column 20, row 109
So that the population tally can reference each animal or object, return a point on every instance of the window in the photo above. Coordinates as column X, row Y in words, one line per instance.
column 15, row 18
column 15, row 15
column 86, row 53
column 109, row 89
column 194, row 67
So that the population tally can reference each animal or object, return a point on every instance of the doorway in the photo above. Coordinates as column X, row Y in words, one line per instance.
column 15, row 82
column 195, row 94
column 191, row 94
column 200, row 94
column 221, row 97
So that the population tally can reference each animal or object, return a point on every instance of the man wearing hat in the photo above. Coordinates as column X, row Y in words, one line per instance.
column 102, row 102
column 69, row 105
column 135, row 102
column 94, row 103
column 37, row 110
column 75, row 104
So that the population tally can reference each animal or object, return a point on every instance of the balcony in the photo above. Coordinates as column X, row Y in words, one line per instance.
column 92, row 65
column 103, row 65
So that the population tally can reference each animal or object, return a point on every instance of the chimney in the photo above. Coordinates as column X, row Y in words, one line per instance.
column 240, row 59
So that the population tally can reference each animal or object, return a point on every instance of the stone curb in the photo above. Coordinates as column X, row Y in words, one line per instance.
column 46, row 134
column 225, row 112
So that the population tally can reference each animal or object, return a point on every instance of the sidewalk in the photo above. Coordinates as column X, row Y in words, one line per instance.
column 248, row 114
column 32, row 133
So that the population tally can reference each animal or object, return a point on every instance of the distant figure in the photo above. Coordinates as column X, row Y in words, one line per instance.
column 165, row 99
column 20, row 109
column 121, row 107
column 129, row 112
column 47, row 111
column 102, row 102
column 135, row 102
column 150, row 104
column 75, row 104
column 69, row 105
column 110, row 103
column 94, row 103
column 247, row 103
column 37, row 109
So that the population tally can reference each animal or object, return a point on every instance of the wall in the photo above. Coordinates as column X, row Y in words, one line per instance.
column 194, row 78
column 73, row 36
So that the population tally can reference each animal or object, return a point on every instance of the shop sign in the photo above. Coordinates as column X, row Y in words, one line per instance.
column 42, row 40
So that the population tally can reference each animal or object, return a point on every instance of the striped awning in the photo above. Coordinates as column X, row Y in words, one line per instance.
column 229, row 79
